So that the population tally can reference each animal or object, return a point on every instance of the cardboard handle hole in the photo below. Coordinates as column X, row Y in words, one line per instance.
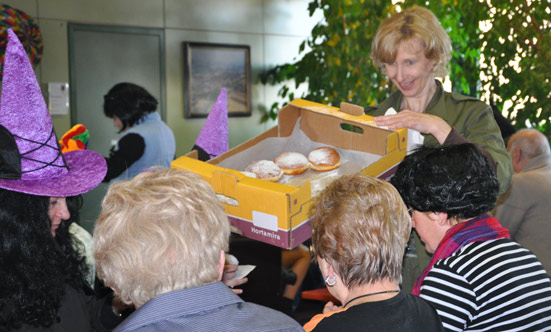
column 227, row 200
column 352, row 128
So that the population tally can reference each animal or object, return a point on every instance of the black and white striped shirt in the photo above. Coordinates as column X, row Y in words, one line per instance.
column 493, row 285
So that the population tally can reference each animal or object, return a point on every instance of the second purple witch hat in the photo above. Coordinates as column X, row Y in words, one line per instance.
column 30, row 159
column 213, row 138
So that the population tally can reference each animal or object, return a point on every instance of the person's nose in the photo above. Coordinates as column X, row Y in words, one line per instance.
column 63, row 211
column 399, row 75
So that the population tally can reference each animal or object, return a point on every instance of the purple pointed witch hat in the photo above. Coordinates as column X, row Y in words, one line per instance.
column 31, row 162
column 213, row 138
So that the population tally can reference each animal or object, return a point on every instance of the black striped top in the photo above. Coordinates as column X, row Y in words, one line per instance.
column 493, row 285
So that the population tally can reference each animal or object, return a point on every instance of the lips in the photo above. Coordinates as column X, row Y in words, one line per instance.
column 55, row 226
column 406, row 86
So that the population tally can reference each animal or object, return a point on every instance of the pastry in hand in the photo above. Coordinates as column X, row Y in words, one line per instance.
column 292, row 163
column 324, row 159
column 265, row 170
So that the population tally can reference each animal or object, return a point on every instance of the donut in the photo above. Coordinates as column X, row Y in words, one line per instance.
column 265, row 170
column 227, row 200
column 292, row 163
column 249, row 174
column 324, row 159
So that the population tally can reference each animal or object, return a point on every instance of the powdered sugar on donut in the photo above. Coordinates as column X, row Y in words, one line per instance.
column 324, row 156
column 265, row 169
column 291, row 160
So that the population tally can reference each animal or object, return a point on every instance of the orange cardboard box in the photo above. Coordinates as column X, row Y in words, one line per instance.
column 277, row 213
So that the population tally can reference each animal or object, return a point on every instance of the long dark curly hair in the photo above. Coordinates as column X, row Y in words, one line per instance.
column 128, row 102
column 35, row 267
column 456, row 179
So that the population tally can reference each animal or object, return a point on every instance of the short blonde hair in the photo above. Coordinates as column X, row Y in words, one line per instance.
column 413, row 23
column 159, row 232
column 361, row 226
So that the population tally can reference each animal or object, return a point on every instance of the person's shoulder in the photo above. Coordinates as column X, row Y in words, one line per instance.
column 420, row 310
column 465, row 106
column 320, row 322
column 475, row 247
column 480, row 254
column 530, row 179
column 452, row 265
column 131, row 136
column 417, row 301
column 457, row 98
column 537, row 167
column 264, row 316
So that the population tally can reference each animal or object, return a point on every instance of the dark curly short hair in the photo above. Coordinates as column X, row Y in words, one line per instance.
column 129, row 102
column 455, row 179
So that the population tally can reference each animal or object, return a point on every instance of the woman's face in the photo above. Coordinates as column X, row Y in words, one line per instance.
column 117, row 122
column 427, row 226
column 57, row 211
column 411, row 72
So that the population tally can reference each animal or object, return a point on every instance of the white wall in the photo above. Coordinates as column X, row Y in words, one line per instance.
column 273, row 29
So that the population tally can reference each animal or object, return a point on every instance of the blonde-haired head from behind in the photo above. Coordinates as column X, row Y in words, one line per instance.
column 161, row 231
column 360, row 226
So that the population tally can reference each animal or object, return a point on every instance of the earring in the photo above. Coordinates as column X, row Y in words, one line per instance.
column 331, row 283
column 440, row 221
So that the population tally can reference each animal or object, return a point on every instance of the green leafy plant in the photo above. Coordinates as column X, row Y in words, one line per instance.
column 501, row 53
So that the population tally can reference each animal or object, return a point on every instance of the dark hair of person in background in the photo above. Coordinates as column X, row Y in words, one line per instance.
column 32, row 285
column 506, row 128
column 459, row 182
column 65, row 239
column 129, row 102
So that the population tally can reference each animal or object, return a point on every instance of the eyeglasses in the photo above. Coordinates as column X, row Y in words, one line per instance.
column 410, row 211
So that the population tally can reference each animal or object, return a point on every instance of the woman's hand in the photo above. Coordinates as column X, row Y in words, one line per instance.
column 229, row 274
column 423, row 123
column 330, row 307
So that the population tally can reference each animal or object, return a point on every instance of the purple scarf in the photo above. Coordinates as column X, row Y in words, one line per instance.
column 483, row 228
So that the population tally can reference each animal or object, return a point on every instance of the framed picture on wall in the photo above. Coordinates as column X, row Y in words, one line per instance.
column 210, row 67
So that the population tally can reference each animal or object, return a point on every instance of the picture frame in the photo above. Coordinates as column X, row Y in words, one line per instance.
column 209, row 67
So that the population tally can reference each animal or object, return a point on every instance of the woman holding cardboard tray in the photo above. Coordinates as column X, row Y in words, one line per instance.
column 412, row 48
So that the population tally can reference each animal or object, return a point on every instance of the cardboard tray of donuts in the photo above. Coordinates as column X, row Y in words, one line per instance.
column 268, row 183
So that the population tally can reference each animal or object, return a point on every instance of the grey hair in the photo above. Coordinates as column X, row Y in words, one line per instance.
column 531, row 142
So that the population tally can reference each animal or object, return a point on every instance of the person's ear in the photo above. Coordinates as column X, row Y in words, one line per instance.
column 442, row 218
column 221, row 263
column 516, row 158
column 326, row 268
column 433, row 216
column 323, row 265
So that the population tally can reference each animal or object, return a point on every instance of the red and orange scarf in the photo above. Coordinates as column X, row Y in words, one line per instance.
column 482, row 228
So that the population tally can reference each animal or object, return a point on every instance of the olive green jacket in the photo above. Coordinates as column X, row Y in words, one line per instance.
column 470, row 117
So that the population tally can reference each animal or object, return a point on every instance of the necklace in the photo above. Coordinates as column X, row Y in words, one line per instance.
column 371, row 294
